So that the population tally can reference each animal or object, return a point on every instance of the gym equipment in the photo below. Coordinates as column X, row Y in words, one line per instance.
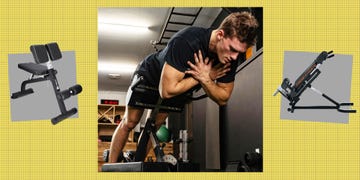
column 236, row 166
column 136, row 167
column 127, row 156
column 183, row 145
column 252, row 162
column 45, row 54
column 163, row 134
column 164, row 163
column 293, row 92
column 149, row 132
column 187, row 167
column 106, row 156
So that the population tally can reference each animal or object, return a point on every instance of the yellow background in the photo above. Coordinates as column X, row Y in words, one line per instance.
column 292, row 149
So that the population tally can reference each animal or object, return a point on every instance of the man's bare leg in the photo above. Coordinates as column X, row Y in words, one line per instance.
column 131, row 119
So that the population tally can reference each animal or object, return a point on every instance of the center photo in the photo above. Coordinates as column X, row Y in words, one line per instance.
column 180, row 89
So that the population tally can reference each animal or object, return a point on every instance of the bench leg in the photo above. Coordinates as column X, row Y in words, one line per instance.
column 63, row 116
column 22, row 93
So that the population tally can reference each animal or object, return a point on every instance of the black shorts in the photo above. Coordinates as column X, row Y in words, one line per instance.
column 146, row 96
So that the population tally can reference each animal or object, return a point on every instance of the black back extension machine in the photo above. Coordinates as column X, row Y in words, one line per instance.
column 164, row 163
column 148, row 133
column 43, row 70
column 293, row 92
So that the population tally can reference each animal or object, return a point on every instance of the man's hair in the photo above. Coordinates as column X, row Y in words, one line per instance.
column 242, row 25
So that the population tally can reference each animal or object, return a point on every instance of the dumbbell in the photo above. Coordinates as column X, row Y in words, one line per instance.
column 74, row 90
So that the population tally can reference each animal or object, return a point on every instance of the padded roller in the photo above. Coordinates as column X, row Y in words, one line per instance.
column 75, row 89
column 322, row 57
column 54, row 51
column 39, row 53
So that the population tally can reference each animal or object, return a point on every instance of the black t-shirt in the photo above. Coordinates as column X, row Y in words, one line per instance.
column 179, row 50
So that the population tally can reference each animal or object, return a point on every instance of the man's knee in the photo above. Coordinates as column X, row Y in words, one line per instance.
column 131, row 119
column 129, row 125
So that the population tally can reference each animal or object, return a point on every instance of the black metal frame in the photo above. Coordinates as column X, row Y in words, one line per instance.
column 293, row 92
column 41, row 54
column 149, row 131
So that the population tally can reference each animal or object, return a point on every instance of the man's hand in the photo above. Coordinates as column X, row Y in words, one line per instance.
column 203, row 71
column 219, row 71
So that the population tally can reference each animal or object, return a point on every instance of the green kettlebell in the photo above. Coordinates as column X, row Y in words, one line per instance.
column 163, row 134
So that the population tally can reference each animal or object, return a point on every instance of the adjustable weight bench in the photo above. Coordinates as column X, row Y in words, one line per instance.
column 293, row 92
column 43, row 70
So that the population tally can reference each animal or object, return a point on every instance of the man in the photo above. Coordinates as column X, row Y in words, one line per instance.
column 193, row 57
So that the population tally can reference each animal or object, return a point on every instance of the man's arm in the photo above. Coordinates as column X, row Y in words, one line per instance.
column 218, row 92
column 172, row 82
column 201, row 70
